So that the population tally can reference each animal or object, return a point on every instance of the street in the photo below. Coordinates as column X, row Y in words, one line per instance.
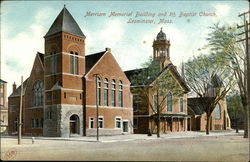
column 205, row 148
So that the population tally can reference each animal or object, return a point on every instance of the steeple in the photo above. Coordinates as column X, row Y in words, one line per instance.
column 65, row 23
column 161, row 48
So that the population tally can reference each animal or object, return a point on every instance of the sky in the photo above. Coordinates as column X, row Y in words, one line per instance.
column 24, row 23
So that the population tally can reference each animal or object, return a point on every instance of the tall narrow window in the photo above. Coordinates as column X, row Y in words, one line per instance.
column 106, row 86
column 155, row 103
column 113, row 93
column 136, row 102
column 38, row 93
column 99, row 91
column 91, row 122
column 76, row 65
column 217, row 112
column 169, row 102
column 100, row 122
column 72, row 64
column 181, row 105
column 120, row 95
column 118, row 122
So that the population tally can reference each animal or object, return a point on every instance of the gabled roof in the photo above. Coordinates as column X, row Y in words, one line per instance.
column 193, row 104
column 2, row 81
column 64, row 22
column 18, row 90
column 92, row 59
column 170, row 66
column 41, row 57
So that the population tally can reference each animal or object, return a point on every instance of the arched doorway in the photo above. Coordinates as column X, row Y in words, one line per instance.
column 74, row 124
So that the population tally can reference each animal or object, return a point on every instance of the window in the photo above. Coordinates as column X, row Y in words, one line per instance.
column 135, row 123
column 37, row 123
column 120, row 95
column 117, row 122
column 12, row 108
column 181, row 105
column 100, row 122
column 136, row 101
column 33, row 123
column 41, row 123
column 52, row 64
column 169, row 102
column 74, row 63
column 98, row 91
column 113, row 93
column 106, row 85
column 217, row 112
column 155, row 103
column 91, row 122
column 38, row 93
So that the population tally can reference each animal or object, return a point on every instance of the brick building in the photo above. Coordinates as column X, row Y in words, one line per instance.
column 60, row 95
column 219, row 119
column 174, row 114
column 3, row 106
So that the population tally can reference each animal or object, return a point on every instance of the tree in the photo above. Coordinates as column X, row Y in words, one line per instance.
column 152, row 86
column 222, row 42
column 209, row 81
column 235, row 108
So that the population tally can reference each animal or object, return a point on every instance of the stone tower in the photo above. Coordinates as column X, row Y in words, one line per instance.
column 161, row 49
column 64, row 67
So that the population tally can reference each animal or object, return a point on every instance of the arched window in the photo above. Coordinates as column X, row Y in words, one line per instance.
column 98, row 91
column 106, row 86
column 169, row 101
column 113, row 93
column 120, row 95
column 217, row 112
column 38, row 93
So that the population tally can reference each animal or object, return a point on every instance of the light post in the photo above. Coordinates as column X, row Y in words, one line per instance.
column 97, row 104
column 20, row 113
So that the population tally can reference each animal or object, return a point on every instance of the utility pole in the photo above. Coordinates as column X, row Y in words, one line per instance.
column 246, row 26
column 20, row 113
column 97, row 105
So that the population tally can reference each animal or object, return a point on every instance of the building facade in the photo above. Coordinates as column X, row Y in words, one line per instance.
column 60, row 94
column 173, row 114
column 3, row 106
column 219, row 119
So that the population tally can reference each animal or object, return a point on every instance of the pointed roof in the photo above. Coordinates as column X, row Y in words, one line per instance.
column 64, row 22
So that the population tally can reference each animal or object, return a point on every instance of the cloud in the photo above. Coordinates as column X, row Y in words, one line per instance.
column 222, row 9
column 18, row 52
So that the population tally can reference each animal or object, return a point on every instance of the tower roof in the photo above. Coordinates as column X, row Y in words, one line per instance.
column 64, row 22
column 161, row 35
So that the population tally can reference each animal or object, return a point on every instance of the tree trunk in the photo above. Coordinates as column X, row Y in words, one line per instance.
column 158, row 117
column 246, row 124
column 158, row 125
column 236, row 124
column 208, row 125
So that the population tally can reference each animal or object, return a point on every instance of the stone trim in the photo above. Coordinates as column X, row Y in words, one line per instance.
column 64, row 53
column 108, row 107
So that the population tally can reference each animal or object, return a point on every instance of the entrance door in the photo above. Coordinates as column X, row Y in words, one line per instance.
column 74, row 125
column 125, row 126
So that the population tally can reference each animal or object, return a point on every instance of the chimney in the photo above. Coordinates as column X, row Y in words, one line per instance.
column 108, row 49
column 14, row 87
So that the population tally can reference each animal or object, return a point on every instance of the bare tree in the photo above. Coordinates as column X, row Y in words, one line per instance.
column 232, row 55
column 209, row 81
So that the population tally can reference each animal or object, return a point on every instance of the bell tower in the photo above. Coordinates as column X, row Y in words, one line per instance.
column 64, row 64
column 161, row 49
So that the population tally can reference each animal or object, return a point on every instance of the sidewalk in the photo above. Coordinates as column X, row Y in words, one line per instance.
column 134, row 137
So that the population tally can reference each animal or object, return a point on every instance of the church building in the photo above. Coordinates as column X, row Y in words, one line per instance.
column 65, row 87
column 173, row 114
